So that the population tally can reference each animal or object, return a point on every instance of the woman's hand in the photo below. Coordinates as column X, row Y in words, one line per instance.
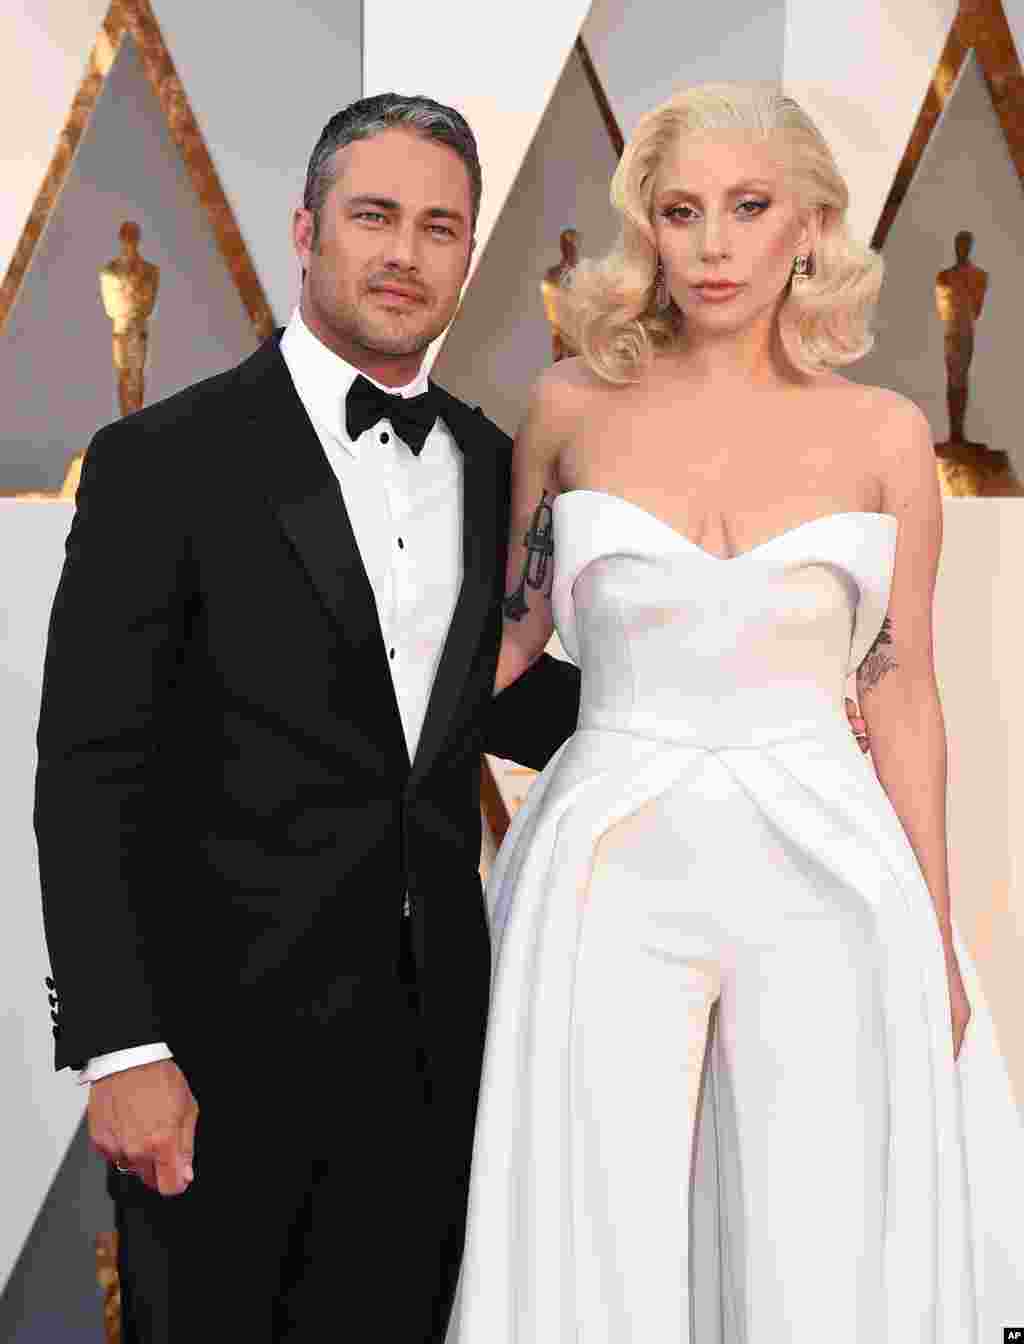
column 959, row 1005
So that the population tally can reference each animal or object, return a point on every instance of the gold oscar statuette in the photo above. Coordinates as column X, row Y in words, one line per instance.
column 108, row 1279
column 554, row 276
column 965, row 467
column 128, row 287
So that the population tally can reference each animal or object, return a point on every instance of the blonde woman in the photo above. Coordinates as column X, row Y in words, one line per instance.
column 721, row 1099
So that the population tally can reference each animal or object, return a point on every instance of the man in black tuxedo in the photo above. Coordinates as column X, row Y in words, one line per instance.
column 268, row 685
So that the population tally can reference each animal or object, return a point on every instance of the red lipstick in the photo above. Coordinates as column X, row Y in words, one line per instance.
column 716, row 291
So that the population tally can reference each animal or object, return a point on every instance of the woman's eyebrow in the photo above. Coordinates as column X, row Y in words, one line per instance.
column 737, row 189
column 747, row 184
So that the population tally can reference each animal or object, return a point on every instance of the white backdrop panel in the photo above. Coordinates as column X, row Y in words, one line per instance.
column 498, row 66
column 262, row 81
column 862, row 71
column 646, row 51
column 47, row 42
column 41, row 1108
column 979, row 651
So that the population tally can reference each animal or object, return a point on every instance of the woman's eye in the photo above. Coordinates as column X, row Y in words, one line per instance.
column 752, row 207
column 680, row 212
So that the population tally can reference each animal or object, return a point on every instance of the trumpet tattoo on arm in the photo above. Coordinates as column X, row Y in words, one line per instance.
column 538, row 569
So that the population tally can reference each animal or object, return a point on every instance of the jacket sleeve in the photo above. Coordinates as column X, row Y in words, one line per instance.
column 117, row 628
column 531, row 719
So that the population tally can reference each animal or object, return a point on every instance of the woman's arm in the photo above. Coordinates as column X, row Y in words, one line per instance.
column 896, row 681
column 528, row 619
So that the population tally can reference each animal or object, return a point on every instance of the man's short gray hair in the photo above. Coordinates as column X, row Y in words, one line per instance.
column 370, row 116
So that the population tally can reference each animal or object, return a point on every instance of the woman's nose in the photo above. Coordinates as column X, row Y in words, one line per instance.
column 714, row 240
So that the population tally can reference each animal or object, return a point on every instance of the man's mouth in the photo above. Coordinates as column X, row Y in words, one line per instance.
column 399, row 292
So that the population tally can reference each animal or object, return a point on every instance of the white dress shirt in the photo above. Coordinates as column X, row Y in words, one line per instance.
column 406, row 513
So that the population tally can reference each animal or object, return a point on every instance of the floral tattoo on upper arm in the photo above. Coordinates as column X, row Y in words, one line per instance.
column 878, row 660
column 538, row 568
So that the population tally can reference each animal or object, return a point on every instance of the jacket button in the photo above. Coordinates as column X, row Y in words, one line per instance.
column 56, row 1033
column 54, row 1016
column 49, row 983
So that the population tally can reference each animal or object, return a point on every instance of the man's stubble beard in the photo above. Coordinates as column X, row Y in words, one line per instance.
column 353, row 327
column 368, row 336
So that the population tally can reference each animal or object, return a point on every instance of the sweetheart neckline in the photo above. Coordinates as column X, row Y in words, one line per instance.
column 741, row 555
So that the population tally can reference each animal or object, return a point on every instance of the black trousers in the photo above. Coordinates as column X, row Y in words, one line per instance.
column 326, row 1204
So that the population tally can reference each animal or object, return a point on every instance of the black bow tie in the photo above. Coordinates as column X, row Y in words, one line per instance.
column 412, row 417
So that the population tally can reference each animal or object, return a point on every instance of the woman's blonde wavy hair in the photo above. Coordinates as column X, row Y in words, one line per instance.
column 608, row 308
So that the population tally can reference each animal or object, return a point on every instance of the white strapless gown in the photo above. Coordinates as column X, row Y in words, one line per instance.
column 719, row 1101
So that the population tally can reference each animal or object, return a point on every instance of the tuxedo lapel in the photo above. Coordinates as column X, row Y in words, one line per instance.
column 481, row 477
column 305, row 495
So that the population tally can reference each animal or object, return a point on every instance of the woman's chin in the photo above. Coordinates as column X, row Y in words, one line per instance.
column 718, row 321
column 724, row 319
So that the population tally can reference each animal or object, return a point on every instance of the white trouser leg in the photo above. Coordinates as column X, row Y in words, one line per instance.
column 633, row 1108
column 671, row 921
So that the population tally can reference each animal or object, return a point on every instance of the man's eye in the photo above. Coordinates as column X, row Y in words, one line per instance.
column 443, row 229
column 370, row 214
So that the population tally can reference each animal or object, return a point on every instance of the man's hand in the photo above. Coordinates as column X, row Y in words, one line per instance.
column 858, row 725
column 144, row 1120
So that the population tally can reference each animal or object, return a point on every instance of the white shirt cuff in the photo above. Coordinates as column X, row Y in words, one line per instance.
column 119, row 1060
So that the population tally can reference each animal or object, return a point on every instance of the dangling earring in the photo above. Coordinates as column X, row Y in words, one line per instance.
column 662, row 298
column 803, row 266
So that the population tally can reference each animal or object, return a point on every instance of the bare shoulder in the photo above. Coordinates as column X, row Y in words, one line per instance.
column 568, row 386
column 901, row 434
column 885, row 424
column 891, row 409
column 880, row 405
column 902, row 441
column 559, row 397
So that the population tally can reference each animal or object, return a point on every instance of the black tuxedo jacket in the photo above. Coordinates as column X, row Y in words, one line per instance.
column 226, row 814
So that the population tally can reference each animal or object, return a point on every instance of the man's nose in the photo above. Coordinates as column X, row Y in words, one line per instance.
column 403, row 249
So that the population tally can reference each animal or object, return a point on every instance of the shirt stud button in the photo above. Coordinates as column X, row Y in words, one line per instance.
column 401, row 544
column 391, row 653
column 385, row 437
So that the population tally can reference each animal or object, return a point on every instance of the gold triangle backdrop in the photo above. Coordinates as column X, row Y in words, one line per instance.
column 981, row 26
column 136, row 19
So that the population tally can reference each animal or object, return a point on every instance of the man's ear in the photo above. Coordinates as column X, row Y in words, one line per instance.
column 303, row 229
